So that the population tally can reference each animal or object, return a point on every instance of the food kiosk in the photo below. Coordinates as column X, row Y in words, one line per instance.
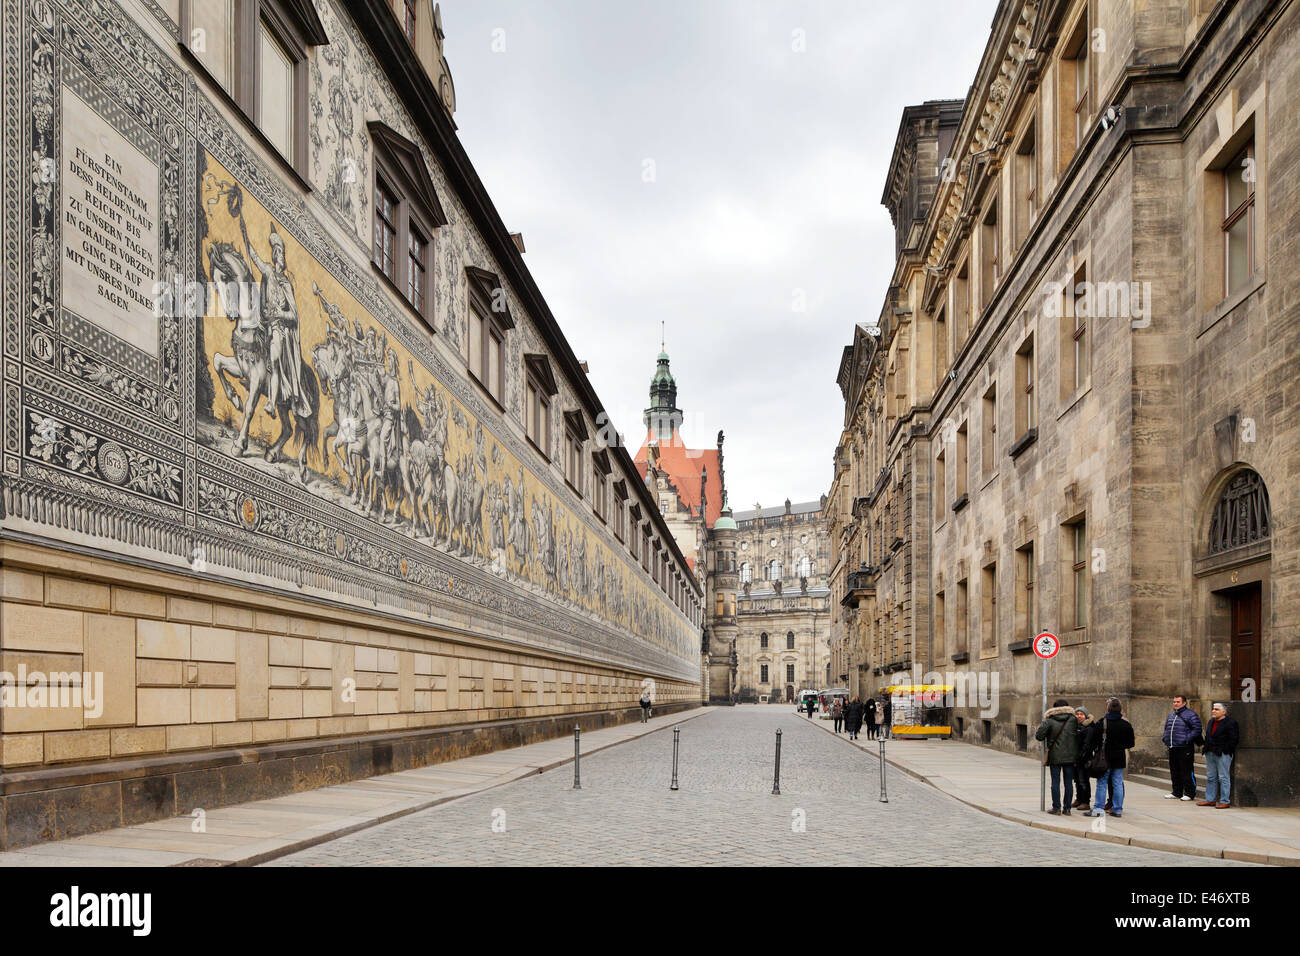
column 921, row 711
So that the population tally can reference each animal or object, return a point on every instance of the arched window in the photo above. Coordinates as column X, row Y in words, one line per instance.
column 1241, row 515
column 762, row 641
column 789, row 640
column 805, row 567
column 774, row 570
column 746, row 573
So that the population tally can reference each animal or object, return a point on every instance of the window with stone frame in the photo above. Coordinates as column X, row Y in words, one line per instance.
column 963, row 618
column 789, row 640
column 762, row 640
column 963, row 462
column 620, row 510
column 408, row 19
column 1238, row 225
column 940, row 484
column 255, row 51
column 989, row 610
column 789, row 673
column 1076, row 309
column 1025, row 592
column 762, row 674
column 1026, row 410
column 1075, row 548
column 407, row 211
column 961, row 305
column 575, row 437
column 1074, row 90
column 490, row 322
column 941, row 359
column 1242, row 515
column 939, row 626
column 988, row 446
column 539, row 391
column 990, row 258
column 600, row 471
column 1025, row 176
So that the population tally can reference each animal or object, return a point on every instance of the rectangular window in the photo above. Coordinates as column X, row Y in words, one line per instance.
column 1239, row 220
column 416, row 267
column 961, row 327
column 940, row 486
column 963, row 463
column 1025, row 592
column 963, row 619
column 573, row 460
column 408, row 20
column 990, row 269
column 941, row 360
column 1025, row 412
column 212, row 33
column 939, row 631
column 763, row 676
column 1074, row 91
column 989, row 612
column 385, row 230
column 990, row 431
column 1076, row 309
column 620, row 515
column 1076, row 541
column 1026, row 182
column 275, row 102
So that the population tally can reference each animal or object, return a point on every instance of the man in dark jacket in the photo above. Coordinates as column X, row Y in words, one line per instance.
column 1060, row 733
column 1182, row 734
column 869, row 713
column 1089, row 741
column 853, row 718
column 1221, row 737
column 886, row 716
column 811, row 704
column 1116, row 738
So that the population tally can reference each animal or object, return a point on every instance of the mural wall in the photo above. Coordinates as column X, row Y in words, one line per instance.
column 270, row 416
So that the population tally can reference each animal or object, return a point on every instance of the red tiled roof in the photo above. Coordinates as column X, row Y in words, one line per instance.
column 683, row 465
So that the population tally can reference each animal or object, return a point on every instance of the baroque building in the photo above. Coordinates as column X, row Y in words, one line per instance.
column 1074, row 413
column 763, row 572
column 297, row 460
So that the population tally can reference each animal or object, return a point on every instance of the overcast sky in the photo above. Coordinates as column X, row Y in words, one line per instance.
column 765, row 165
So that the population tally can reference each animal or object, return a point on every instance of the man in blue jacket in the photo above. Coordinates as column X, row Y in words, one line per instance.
column 1182, row 734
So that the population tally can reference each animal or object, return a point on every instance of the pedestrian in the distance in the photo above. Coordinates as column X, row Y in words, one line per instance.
column 1181, row 736
column 1116, row 738
column 853, row 718
column 811, row 704
column 869, row 710
column 1221, row 738
column 887, row 715
column 645, row 706
column 1059, row 732
column 1089, row 741
column 837, row 714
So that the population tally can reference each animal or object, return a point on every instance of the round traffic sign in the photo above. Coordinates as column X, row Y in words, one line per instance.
column 1047, row 645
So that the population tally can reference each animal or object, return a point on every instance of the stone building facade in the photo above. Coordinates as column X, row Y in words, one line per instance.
column 1075, row 411
column 301, row 479
column 763, row 571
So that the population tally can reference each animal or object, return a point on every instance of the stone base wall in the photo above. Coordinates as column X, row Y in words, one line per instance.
column 183, row 675
column 1265, row 772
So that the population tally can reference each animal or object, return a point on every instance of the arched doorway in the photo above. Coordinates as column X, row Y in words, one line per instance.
column 1236, row 557
column 789, row 693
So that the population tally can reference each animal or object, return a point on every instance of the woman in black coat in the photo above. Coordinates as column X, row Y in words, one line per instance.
column 871, row 718
column 853, row 718
column 888, row 714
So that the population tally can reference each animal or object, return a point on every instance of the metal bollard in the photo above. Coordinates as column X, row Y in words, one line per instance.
column 577, row 781
column 776, row 779
column 677, row 732
column 884, row 797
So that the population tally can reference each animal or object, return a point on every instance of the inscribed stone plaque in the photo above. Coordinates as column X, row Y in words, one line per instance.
column 110, row 227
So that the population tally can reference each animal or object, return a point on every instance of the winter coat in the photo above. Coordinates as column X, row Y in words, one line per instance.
column 853, row 716
column 1089, row 739
column 645, row 701
column 888, row 711
column 1060, row 729
column 837, row 708
column 1182, row 728
column 1222, row 736
column 870, row 710
column 1117, row 737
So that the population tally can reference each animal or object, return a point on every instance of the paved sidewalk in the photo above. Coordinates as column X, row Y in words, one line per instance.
column 1006, row 785
column 250, row 833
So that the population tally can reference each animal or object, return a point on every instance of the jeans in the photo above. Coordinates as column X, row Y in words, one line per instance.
column 839, row 723
column 1113, row 780
column 1218, row 782
column 1181, row 762
column 1059, row 770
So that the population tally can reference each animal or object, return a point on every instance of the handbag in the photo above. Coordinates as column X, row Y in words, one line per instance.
column 1098, row 765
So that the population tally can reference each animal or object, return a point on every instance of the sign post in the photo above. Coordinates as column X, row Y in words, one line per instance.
column 1046, row 646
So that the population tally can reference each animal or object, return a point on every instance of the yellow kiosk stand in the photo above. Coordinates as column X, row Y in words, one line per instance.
column 921, row 711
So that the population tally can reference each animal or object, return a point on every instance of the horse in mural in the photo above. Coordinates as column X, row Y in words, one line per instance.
column 250, row 365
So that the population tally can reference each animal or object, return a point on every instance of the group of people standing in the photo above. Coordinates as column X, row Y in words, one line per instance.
column 1079, row 749
column 849, row 716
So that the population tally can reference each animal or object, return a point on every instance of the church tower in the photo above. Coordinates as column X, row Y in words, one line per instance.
column 663, row 417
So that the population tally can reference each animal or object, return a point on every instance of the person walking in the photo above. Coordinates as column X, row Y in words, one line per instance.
column 811, row 703
column 869, row 711
column 645, row 706
column 1116, row 738
column 837, row 714
column 1221, row 738
column 1059, row 732
column 1089, row 741
column 1182, row 734
column 853, row 718
column 887, row 717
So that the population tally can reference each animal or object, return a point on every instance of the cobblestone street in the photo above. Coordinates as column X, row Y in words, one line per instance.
column 724, row 812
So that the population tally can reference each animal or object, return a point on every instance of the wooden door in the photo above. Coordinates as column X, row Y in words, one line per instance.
column 1245, row 639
